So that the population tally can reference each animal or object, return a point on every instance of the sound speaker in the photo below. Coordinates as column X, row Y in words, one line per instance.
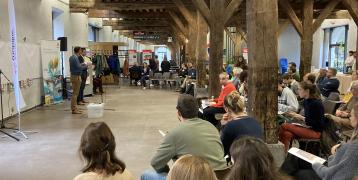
column 63, row 43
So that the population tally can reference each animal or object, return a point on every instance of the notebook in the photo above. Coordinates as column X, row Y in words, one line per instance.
column 306, row 156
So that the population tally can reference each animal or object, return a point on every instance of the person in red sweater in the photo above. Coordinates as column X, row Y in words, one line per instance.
column 216, row 105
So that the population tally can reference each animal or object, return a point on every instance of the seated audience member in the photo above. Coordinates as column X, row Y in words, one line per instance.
column 241, row 63
column 145, row 75
column 354, row 81
column 342, row 115
column 321, row 76
column 217, row 104
column 252, row 161
column 310, row 78
column 165, row 65
column 330, row 84
column 238, row 123
column 287, row 100
column 341, row 165
column 313, row 117
column 193, row 136
column 291, row 83
column 189, row 167
column 183, row 72
column 191, row 71
column 236, row 78
column 190, row 76
column 97, row 148
column 292, row 70
column 243, row 90
column 135, row 73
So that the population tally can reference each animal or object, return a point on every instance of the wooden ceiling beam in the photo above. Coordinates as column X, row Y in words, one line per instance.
column 185, row 12
column 179, row 23
column 285, row 5
column 142, row 28
column 352, row 7
column 134, row 23
column 324, row 14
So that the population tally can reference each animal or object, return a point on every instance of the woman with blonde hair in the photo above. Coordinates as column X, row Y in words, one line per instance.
column 189, row 167
column 238, row 124
column 97, row 149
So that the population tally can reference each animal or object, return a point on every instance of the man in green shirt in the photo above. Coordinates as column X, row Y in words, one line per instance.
column 192, row 136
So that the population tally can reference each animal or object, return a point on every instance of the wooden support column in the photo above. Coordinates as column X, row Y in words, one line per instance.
column 238, row 40
column 191, row 46
column 201, row 53
column 307, row 37
column 216, row 17
column 262, row 24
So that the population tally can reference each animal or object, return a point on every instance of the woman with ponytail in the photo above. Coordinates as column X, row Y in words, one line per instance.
column 238, row 124
column 97, row 149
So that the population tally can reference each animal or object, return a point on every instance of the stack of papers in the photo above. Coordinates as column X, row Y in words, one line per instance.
column 306, row 156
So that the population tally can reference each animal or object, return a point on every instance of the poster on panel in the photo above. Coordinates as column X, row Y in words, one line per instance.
column 132, row 56
column 51, row 71
column 147, row 55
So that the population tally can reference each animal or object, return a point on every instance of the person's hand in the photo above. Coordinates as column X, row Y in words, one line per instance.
column 334, row 148
column 225, row 117
column 212, row 103
column 338, row 113
column 344, row 114
column 291, row 114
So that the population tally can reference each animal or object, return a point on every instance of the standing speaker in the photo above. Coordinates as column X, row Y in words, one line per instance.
column 63, row 43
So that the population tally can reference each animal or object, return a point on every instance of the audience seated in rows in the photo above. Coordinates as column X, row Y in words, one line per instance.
column 287, row 100
column 193, row 136
column 97, row 149
column 252, row 160
column 341, row 118
column 290, row 82
column 237, row 123
column 341, row 165
column 313, row 117
column 144, row 75
column 216, row 105
column 189, row 167
column 321, row 75
column 330, row 84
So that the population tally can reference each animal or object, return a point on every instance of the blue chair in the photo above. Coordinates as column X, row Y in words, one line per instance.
column 283, row 65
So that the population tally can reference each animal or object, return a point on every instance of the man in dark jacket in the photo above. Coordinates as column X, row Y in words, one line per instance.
column 330, row 84
column 135, row 73
column 165, row 65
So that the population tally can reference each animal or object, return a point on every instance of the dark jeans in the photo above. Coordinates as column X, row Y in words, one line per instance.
column 209, row 114
column 143, row 80
column 82, row 87
column 297, row 168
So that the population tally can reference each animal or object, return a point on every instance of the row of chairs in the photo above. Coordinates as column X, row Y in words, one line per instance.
column 165, row 78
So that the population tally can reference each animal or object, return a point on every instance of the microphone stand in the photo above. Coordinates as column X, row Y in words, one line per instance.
column 2, row 111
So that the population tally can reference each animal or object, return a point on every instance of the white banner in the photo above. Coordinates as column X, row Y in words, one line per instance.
column 51, row 71
column 15, row 69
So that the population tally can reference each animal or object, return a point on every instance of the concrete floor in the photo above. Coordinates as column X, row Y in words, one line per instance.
column 134, row 115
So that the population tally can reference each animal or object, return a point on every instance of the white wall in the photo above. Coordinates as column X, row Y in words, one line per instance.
column 105, row 34
column 289, row 41
column 34, row 21
column 289, row 45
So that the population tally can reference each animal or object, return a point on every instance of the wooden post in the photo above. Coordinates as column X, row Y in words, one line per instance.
column 238, row 39
column 216, row 17
column 307, row 37
column 201, row 53
column 193, row 33
column 262, row 24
